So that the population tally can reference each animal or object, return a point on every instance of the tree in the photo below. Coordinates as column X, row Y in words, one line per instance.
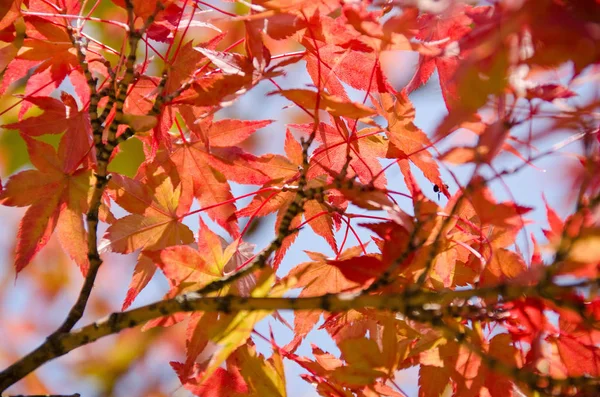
column 122, row 111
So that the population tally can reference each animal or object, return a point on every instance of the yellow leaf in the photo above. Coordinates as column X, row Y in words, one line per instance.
column 586, row 249
column 233, row 330
column 265, row 377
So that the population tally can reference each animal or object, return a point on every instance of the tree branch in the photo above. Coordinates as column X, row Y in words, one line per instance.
column 406, row 303
column 103, row 153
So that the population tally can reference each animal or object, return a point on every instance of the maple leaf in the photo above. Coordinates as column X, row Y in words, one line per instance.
column 196, row 339
column 9, row 11
column 61, row 116
column 549, row 92
column 142, row 274
column 57, row 196
column 333, row 104
column 364, row 147
column 465, row 367
column 321, row 221
column 228, row 63
column 337, row 53
column 220, row 133
column 504, row 266
column 233, row 330
column 489, row 212
column 393, row 34
column 236, row 75
column 316, row 278
column 303, row 8
column 208, row 169
column 229, row 132
column 186, row 63
column 443, row 268
column 501, row 348
column 579, row 358
column 352, row 378
column 474, row 73
column 350, row 325
column 556, row 224
column 452, row 361
column 268, row 202
column 137, row 109
column 577, row 339
column 444, row 30
column 407, row 141
column 527, row 319
column 362, row 353
column 156, row 209
column 169, row 20
column 222, row 382
column 361, row 269
column 216, row 89
column 395, row 241
column 559, row 48
column 583, row 259
column 265, row 377
column 189, row 269
column 286, row 170
column 48, row 49
column 432, row 381
column 140, row 98
column 347, row 64
column 255, row 46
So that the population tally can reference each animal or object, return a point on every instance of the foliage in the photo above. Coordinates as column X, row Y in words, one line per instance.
column 460, row 292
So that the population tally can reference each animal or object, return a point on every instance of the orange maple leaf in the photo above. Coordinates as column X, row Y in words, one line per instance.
column 57, row 197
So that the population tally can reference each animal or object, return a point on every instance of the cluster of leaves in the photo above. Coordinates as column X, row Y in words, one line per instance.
column 441, row 288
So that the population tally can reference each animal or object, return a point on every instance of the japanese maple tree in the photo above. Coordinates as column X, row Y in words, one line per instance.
column 395, row 243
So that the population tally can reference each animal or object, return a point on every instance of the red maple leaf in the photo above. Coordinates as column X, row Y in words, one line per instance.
column 284, row 170
column 364, row 147
column 208, row 168
column 443, row 31
column 407, row 141
column 48, row 48
column 57, row 196
column 61, row 116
